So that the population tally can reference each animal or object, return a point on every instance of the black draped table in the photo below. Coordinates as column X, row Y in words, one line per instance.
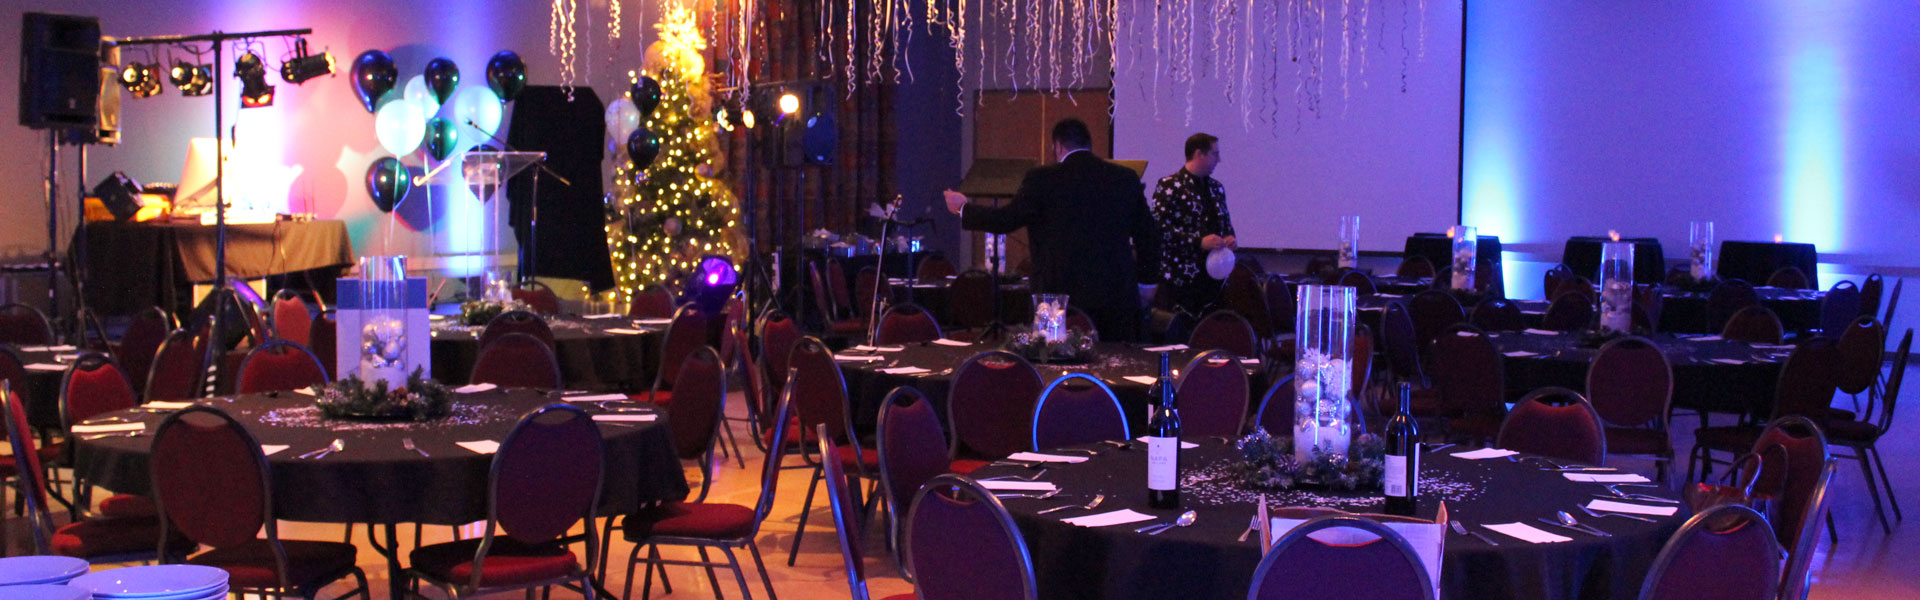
column 614, row 353
column 1016, row 298
column 1799, row 310
column 1205, row 560
column 39, row 384
column 1709, row 373
column 134, row 266
column 1385, row 284
column 1113, row 363
column 1756, row 261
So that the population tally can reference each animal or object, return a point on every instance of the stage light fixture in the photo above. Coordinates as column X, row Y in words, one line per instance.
column 252, row 73
column 713, row 281
column 789, row 103
column 142, row 79
column 191, row 79
column 303, row 66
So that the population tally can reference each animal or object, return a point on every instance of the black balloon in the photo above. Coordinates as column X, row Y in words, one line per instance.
column 646, row 95
column 507, row 75
column 441, row 138
column 388, row 183
column 442, row 77
column 373, row 76
column 643, row 147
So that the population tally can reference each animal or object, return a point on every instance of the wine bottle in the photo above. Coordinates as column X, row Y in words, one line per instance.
column 1402, row 476
column 1163, row 445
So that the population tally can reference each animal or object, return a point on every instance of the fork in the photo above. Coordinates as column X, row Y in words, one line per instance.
column 1590, row 512
column 1097, row 499
column 1033, row 477
column 1253, row 523
column 408, row 444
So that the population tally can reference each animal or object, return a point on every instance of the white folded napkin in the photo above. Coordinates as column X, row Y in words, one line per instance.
column 1017, row 485
column 1529, row 533
column 1637, row 509
column 272, row 449
column 1773, row 346
column 305, row 391
column 472, row 388
column 628, row 418
column 1542, row 332
column 109, row 428
column 595, row 398
column 654, row 321
column 1484, row 453
column 1730, row 361
column 1118, row 517
column 164, row 405
column 1142, row 379
column 904, row 371
column 1704, row 338
column 1249, row 361
column 1607, row 477
column 948, row 342
column 1183, row 445
column 480, row 446
column 59, row 348
column 625, row 331
column 857, row 358
column 1168, row 348
column 604, row 316
column 1391, row 295
column 1527, row 311
column 46, row 367
column 865, row 348
column 1521, row 354
column 1038, row 457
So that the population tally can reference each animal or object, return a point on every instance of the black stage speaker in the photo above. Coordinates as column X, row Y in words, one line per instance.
column 120, row 194
column 59, row 71
column 106, row 124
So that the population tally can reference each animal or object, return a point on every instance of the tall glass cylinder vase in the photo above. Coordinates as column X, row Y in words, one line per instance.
column 383, row 329
column 1350, row 242
column 1700, row 250
column 1466, row 247
column 1050, row 316
column 1616, row 287
column 1323, row 376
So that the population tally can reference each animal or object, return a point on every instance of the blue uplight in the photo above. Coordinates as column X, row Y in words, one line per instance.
column 1813, row 190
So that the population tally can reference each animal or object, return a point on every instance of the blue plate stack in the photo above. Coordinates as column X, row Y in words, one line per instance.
column 160, row 582
column 40, row 570
column 42, row 591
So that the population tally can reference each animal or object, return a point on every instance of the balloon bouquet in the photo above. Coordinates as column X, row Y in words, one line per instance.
column 407, row 120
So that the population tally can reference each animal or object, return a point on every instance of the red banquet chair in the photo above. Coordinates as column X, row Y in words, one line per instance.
column 970, row 299
column 1726, row 298
column 1301, row 567
column 653, row 302
column 990, row 407
column 693, row 419
column 1862, row 435
column 178, row 370
column 818, row 391
column 23, row 325
column 846, row 518
column 962, row 544
column 1359, row 281
column 906, row 324
column 1754, row 325
column 211, row 481
column 934, row 267
column 1728, row 549
column 1077, row 409
column 1470, row 374
column 291, row 319
column 280, row 366
column 777, row 332
column 516, row 321
column 141, row 343
column 1840, row 306
column 913, row 450
column 1211, row 394
column 1497, row 314
column 687, row 332
column 1569, row 312
column 517, row 360
column 538, row 296
column 1225, row 330
column 1789, row 277
column 545, row 478
column 1567, row 431
column 325, row 335
column 1630, row 385
column 1433, row 311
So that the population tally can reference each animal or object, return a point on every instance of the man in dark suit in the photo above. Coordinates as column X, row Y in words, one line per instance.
column 1093, row 238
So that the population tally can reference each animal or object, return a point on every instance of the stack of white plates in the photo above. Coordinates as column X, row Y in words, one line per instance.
column 161, row 582
column 42, row 591
column 40, row 570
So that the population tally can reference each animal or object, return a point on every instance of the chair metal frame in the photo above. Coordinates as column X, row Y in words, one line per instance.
column 1040, row 406
column 1300, row 534
column 846, row 417
column 905, row 310
column 33, row 488
column 559, row 377
column 971, row 490
column 682, row 317
column 836, row 473
column 45, row 323
column 1698, row 525
column 1869, row 449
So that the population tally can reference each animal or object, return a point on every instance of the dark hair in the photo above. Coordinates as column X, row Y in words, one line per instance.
column 1199, row 142
column 1073, row 134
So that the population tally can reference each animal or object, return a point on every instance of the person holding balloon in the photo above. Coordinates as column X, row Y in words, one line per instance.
column 1196, row 232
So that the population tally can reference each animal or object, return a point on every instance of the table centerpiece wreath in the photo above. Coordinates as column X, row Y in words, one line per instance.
column 353, row 398
column 1267, row 464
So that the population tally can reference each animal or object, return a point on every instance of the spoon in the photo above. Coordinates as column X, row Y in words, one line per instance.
column 1186, row 518
column 337, row 445
column 1033, row 477
column 1597, row 515
column 1097, row 499
column 1568, row 520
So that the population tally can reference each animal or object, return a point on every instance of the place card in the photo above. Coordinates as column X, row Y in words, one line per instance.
column 1015, row 485
column 948, row 342
column 596, row 398
column 474, row 388
column 1118, row 517
column 624, row 331
column 1169, row 348
column 1607, row 477
column 109, row 428
column 1484, row 453
column 1038, row 457
column 1183, row 445
column 1142, row 379
column 1522, row 354
column 1704, row 338
column 272, row 449
column 654, row 321
column 59, row 348
column 164, row 405
column 857, row 358
column 1729, row 361
column 904, row 371
column 1637, row 509
column 480, row 446
column 46, row 367
column 1528, row 533
column 628, row 418
column 1541, row 332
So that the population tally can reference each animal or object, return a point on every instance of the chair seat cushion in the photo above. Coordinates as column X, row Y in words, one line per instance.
column 127, row 505
column 901, row 597
column 1858, row 432
column 1626, row 440
column 849, row 326
column 691, row 519
column 509, row 562
column 1840, row 414
column 966, row 465
column 1737, row 439
column 868, row 460
column 108, row 537
column 661, row 397
column 250, row 565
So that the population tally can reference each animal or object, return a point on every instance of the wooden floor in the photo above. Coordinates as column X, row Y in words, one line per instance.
column 1866, row 564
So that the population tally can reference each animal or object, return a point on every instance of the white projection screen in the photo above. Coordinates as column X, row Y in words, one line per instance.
column 1382, row 141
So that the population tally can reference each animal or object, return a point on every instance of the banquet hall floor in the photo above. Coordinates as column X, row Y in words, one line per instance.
column 1865, row 564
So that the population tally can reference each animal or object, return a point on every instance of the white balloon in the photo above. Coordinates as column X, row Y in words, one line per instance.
column 400, row 126
column 1220, row 263
column 622, row 119
column 418, row 93
column 480, row 106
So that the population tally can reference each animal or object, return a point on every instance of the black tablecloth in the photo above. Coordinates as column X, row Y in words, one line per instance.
column 135, row 266
column 40, row 389
column 1700, row 381
column 1385, row 284
column 590, row 356
column 1799, row 310
column 1112, row 363
column 1438, row 248
column 1205, row 561
column 376, row 480
column 1582, row 255
column 1756, row 261
column 1016, row 299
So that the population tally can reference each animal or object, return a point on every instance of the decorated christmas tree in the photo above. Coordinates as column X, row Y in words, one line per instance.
column 669, row 213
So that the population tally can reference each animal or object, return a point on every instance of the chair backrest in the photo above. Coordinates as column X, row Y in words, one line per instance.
column 1893, row 301
column 94, row 385
column 962, row 544
column 990, row 405
column 905, row 324
column 694, row 416
column 1793, row 452
column 847, row 523
column 1280, row 305
column 1414, row 266
column 29, row 477
column 291, row 319
column 1630, row 383
column 1840, row 307
column 733, row 333
column 652, row 302
column 819, row 389
column 1862, row 351
column 1361, row 363
column 545, row 477
column 325, row 335
column 687, row 332
column 1569, row 431
column 823, row 298
column 13, row 371
column 1728, row 549
column 517, row 360
column 1469, row 372
column 837, row 290
column 1498, row 314
column 1300, row 567
column 178, row 370
column 516, row 321
column 1433, row 311
column 777, row 333
column 23, row 325
column 777, row 432
column 1360, row 281
column 141, row 343
column 934, row 267
column 1551, row 280
column 1078, row 319
column 1320, row 264
column 912, row 448
column 1569, row 312
column 538, row 296
column 1575, row 284
column 1754, row 324
column 1807, row 380
column 866, row 286
column 1890, row 394
column 1077, row 409
column 1796, row 576
column 1726, row 298
column 279, row 366
column 211, row 480
column 1211, row 395
column 1789, row 277
column 1871, row 289
column 1276, row 408
column 1241, row 293
column 1224, row 330
column 971, row 299
column 1400, row 342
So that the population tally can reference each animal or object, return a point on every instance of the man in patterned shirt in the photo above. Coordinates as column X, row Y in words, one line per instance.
column 1191, row 207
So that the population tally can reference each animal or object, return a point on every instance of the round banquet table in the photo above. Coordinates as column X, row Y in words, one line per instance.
column 592, row 356
column 1386, row 284
column 1686, row 312
column 39, row 384
column 1206, row 561
column 1112, row 363
column 1016, row 298
column 1709, row 373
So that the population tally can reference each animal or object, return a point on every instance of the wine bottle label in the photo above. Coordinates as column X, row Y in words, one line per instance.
column 1162, row 459
column 1395, row 477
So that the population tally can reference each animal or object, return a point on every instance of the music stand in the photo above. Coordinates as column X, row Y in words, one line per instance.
column 487, row 173
column 997, row 178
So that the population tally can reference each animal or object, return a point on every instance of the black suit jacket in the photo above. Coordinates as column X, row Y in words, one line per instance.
column 1087, row 220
